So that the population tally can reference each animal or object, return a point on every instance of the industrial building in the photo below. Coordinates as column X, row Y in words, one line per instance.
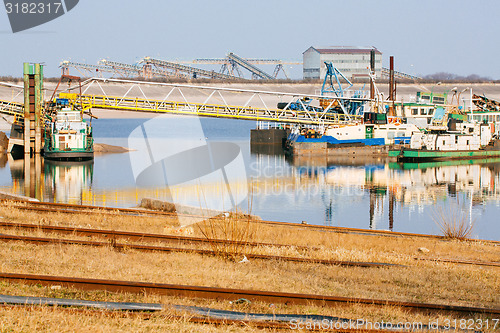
column 350, row 60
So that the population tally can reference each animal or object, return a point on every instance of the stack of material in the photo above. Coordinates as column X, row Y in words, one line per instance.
column 486, row 104
column 4, row 142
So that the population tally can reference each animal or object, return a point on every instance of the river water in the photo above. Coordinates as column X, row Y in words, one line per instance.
column 368, row 194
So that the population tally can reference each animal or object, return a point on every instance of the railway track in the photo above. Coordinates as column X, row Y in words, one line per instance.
column 113, row 235
column 230, row 294
column 461, row 261
column 271, row 325
column 75, row 209
column 139, row 236
column 150, row 248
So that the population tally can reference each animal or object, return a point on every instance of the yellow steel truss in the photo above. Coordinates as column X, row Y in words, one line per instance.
column 209, row 110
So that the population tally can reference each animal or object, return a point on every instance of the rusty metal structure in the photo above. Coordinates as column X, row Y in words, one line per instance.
column 165, row 249
column 232, row 67
column 148, row 67
column 486, row 104
column 177, row 70
column 185, row 240
column 229, row 293
column 386, row 73
column 49, row 207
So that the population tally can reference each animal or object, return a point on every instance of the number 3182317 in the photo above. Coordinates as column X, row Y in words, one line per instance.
column 33, row 8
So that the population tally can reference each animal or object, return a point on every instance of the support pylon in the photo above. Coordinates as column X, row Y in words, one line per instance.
column 33, row 103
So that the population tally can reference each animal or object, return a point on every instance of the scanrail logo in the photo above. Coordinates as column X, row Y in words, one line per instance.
column 172, row 159
column 24, row 14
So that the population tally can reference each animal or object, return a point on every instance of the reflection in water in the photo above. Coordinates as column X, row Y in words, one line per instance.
column 373, row 190
column 52, row 181
column 68, row 181
column 349, row 192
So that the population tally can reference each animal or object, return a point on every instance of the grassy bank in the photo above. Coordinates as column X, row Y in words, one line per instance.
column 414, row 281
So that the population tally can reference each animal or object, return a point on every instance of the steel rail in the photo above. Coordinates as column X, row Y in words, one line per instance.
column 72, row 208
column 137, row 236
column 273, row 223
column 84, row 210
column 366, row 231
column 230, row 294
column 152, row 248
column 461, row 261
column 129, row 235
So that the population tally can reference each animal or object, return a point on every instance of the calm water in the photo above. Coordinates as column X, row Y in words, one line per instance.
column 351, row 193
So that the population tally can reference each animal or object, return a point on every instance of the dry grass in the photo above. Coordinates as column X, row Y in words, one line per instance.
column 353, row 311
column 420, row 281
column 238, row 232
column 332, row 245
column 454, row 222
column 92, row 219
column 46, row 319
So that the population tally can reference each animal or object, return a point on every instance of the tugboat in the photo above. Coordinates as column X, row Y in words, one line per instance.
column 469, row 141
column 68, row 137
column 376, row 129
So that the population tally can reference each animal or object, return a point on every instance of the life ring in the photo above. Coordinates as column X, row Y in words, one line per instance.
column 394, row 120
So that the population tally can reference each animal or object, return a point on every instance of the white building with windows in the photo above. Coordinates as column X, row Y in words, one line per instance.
column 350, row 60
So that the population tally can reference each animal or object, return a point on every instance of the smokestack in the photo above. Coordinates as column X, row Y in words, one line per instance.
column 372, row 70
column 391, row 78
column 392, row 87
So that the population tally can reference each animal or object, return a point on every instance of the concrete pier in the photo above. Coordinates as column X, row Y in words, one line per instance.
column 325, row 149
column 273, row 136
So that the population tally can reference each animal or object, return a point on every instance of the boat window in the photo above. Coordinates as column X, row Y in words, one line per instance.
column 438, row 100
column 425, row 98
column 423, row 111
column 414, row 111
column 431, row 112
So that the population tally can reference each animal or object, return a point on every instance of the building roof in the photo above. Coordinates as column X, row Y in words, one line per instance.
column 344, row 49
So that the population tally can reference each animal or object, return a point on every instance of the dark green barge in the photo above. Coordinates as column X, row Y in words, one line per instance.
column 416, row 155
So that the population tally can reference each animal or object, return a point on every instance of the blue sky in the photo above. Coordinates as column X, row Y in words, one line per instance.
column 425, row 36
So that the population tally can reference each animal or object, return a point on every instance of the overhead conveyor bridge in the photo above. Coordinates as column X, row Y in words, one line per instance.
column 215, row 104
column 248, row 66
column 11, row 107
column 181, row 100
column 193, row 71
